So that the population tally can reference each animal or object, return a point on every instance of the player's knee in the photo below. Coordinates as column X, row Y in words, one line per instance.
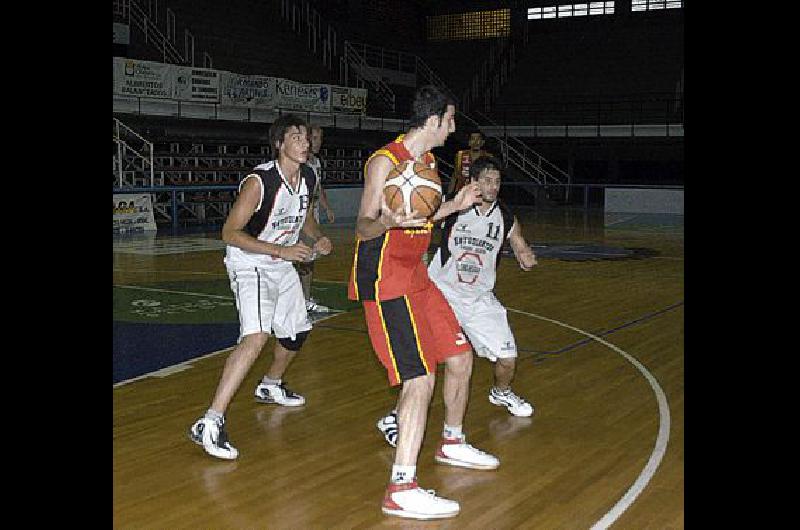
column 507, row 362
column 296, row 344
column 460, row 364
column 422, row 384
column 255, row 341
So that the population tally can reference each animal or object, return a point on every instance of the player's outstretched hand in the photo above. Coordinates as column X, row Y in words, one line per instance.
column 398, row 217
column 297, row 252
column 323, row 246
column 467, row 196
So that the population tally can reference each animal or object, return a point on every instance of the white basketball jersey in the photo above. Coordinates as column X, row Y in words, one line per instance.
column 468, row 255
column 279, row 215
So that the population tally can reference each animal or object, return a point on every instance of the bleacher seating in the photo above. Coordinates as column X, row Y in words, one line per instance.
column 245, row 37
column 572, row 63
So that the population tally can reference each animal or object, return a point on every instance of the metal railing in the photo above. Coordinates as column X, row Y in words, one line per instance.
column 355, row 63
column 584, row 196
column 134, row 156
column 135, row 15
column 515, row 152
column 633, row 109
column 171, row 208
column 217, row 111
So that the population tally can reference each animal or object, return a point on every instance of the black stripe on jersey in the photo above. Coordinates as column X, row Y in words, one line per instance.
column 444, row 237
column 402, row 338
column 258, row 290
column 369, row 258
column 308, row 174
column 271, row 182
column 508, row 224
column 508, row 219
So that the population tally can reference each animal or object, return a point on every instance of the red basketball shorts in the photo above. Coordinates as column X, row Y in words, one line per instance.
column 413, row 333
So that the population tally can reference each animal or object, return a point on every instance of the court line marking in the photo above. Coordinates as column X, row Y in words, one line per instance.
column 187, row 364
column 168, row 370
column 662, row 439
column 657, row 455
column 139, row 271
column 206, row 295
column 156, row 290
column 602, row 333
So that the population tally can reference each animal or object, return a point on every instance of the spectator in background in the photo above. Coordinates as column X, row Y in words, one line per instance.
column 464, row 158
column 319, row 197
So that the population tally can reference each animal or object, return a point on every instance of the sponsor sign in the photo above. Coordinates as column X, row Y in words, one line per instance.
column 133, row 212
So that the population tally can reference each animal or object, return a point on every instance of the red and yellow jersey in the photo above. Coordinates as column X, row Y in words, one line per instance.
column 463, row 160
column 390, row 265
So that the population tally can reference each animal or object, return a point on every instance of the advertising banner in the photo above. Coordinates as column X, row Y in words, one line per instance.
column 148, row 79
column 196, row 84
column 133, row 212
column 247, row 90
column 298, row 96
column 145, row 79
column 345, row 99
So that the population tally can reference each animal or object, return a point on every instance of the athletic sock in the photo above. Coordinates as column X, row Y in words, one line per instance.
column 403, row 474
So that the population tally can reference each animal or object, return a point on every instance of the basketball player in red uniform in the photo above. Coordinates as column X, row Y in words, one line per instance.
column 411, row 326
column 464, row 159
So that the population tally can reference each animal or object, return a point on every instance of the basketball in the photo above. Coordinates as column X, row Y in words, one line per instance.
column 414, row 187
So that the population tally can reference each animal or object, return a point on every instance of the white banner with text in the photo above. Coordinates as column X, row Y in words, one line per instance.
column 133, row 212
column 149, row 79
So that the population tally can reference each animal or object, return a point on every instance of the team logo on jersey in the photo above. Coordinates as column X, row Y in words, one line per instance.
column 281, row 211
column 508, row 346
column 282, row 239
column 462, row 228
column 468, row 267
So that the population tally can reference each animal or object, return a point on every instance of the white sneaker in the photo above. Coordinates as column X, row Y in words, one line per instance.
column 413, row 502
column 313, row 307
column 457, row 452
column 212, row 436
column 388, row 426
column 515, row 404
column 278, row 394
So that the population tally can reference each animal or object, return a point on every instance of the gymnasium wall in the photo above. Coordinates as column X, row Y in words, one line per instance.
column 642, row 200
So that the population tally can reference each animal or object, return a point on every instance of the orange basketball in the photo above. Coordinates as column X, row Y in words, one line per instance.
column 414, row 187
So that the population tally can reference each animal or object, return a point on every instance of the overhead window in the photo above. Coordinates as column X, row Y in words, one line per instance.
column 472, row 25
column 651, row 5
column 571, row 10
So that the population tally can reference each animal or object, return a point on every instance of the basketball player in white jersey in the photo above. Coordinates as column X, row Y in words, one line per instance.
column 262, row 233
column 318, row 197
column 464, row 269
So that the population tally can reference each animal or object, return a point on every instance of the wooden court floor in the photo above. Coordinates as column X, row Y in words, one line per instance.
column 601, row 359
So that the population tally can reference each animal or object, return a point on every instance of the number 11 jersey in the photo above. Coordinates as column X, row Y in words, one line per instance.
column 466, row 261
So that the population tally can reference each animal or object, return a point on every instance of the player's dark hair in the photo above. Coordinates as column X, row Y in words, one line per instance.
column 482, row 164
column 428, row 101
column 278, row 129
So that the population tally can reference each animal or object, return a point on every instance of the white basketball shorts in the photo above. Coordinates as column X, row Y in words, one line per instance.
column 485, row 322
column 269, row 300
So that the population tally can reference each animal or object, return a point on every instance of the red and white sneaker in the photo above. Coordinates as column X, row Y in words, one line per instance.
column 411, row 501
column 457, row 452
